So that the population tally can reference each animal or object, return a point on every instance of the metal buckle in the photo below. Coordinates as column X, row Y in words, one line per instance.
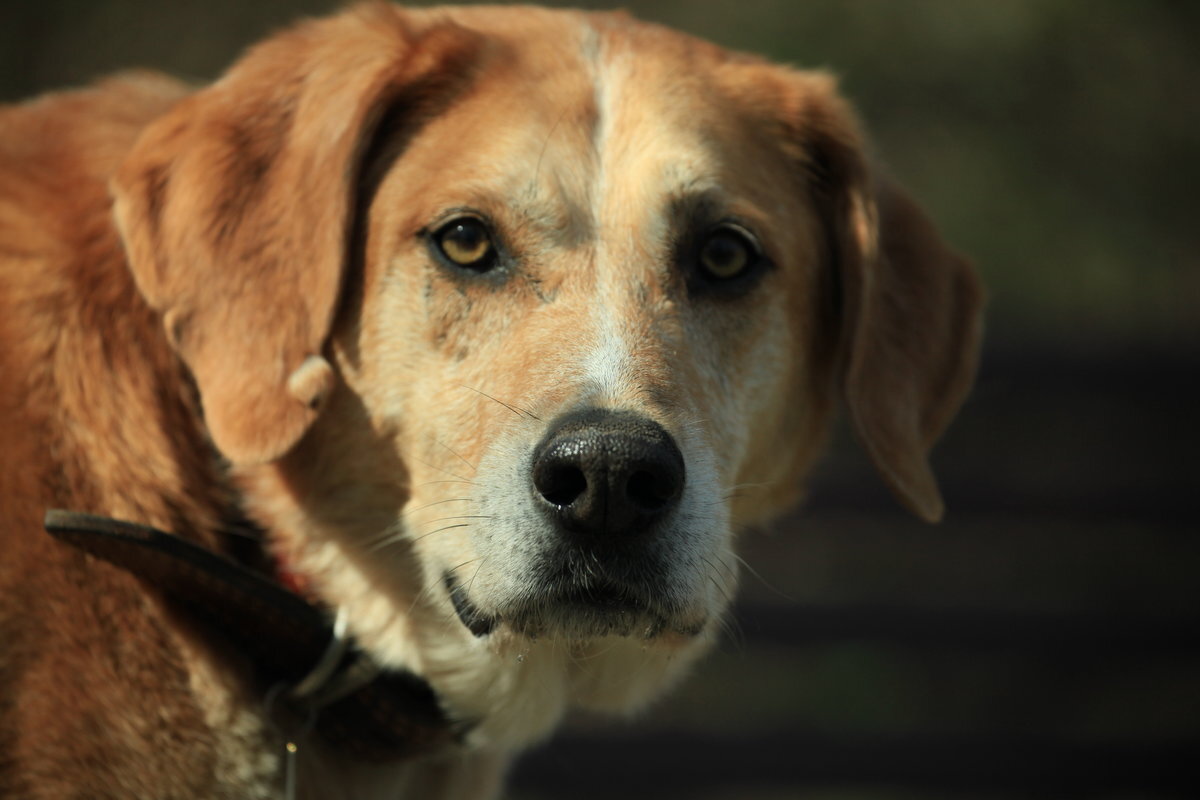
column 330, row 679
column 334, row 676
column 327, row 664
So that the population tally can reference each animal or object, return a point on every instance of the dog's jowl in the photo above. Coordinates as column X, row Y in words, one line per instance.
column 426, row 352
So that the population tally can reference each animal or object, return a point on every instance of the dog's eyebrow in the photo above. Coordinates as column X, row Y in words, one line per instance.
column 703, row 201
column 555, row 211
column 696, row 202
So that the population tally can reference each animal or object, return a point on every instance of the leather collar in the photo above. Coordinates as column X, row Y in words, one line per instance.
column 356, row 706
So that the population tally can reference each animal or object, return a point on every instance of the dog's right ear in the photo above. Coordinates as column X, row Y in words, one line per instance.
column 236, row 210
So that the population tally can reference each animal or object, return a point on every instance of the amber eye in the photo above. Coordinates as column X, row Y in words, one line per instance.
column 727, row 253
column 466, row 242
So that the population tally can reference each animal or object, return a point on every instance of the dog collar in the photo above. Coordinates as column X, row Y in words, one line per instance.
column 308, row 663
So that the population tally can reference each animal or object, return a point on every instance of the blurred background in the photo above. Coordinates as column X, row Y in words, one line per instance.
column 1045, row 638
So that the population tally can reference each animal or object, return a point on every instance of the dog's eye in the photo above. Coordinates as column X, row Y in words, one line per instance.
column 466, row 242
column 727, row 253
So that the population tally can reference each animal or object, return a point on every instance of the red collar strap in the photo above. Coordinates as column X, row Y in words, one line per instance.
column 367, row 712
column 289, row 579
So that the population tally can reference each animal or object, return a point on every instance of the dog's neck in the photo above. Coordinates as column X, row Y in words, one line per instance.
column 295, row 652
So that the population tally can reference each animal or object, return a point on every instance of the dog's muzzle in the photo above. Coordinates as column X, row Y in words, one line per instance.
column 606, row 485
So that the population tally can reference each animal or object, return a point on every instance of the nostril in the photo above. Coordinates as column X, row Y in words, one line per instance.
column 650, row 491
column 561, row 484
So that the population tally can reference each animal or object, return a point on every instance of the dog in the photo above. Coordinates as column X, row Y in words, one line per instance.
column 483, row 331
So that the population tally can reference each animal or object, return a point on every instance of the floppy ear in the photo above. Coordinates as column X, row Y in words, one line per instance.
column 236, row 210
column 912, row 325
column 911, row 309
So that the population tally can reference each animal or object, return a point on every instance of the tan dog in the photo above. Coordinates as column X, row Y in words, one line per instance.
column 499, row 322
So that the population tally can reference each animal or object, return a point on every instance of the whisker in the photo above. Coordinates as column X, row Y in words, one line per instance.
column 390, row 530
column 385, row 540
column 577, row 658
column 456, row 455
column 759, row 485
column 395, row 532
column 761, row 579
column 421, row 595
column 429, row 590
column 471, row 583
column 465, row 564
column 729, row 573
column 734, row 492
column 384, row 545
column 439, row 530
column 734, row 632
column 452, row 614
column 729, row 623
column 440, row 469
column 410, row 511
column 432, row 483
column 529, row 413
column 518, row 411
column 720, row 587
column 395, row 537
column 388, row 533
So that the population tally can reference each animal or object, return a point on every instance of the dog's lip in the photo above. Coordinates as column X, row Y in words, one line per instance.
column 478, row 623
column 604, row 598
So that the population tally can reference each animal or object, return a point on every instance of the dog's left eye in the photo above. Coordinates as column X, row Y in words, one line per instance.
column 727, row 253
column 465, row 241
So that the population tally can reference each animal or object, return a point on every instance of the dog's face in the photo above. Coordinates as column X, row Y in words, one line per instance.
column 583, row 320
column 526, row 314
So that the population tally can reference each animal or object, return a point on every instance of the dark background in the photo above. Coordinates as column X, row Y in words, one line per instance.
column 1044, row 639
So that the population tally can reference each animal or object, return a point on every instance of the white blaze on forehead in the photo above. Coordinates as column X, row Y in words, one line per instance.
column 606, row 73
column 627, row 201
column 650, row 153
column 608, row 355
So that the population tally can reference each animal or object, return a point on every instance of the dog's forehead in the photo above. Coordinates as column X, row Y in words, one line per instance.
column 584, row 123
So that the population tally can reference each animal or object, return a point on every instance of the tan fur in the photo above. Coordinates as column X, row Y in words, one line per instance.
column 257, row 322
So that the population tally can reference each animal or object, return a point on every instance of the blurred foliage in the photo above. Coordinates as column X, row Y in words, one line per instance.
column 1054, row 140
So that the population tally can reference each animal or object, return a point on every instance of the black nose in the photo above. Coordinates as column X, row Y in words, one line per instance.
column 607, row 472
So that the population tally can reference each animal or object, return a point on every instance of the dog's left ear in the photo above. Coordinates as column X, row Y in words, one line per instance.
column 236, row 210
column 911, row 327
column 908, row 309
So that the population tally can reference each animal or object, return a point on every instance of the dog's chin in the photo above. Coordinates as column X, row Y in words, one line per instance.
column 579, row 613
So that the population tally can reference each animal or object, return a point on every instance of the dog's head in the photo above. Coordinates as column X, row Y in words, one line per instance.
column 509, row 319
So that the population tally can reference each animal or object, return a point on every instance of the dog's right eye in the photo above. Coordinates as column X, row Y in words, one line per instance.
column 466, row 242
